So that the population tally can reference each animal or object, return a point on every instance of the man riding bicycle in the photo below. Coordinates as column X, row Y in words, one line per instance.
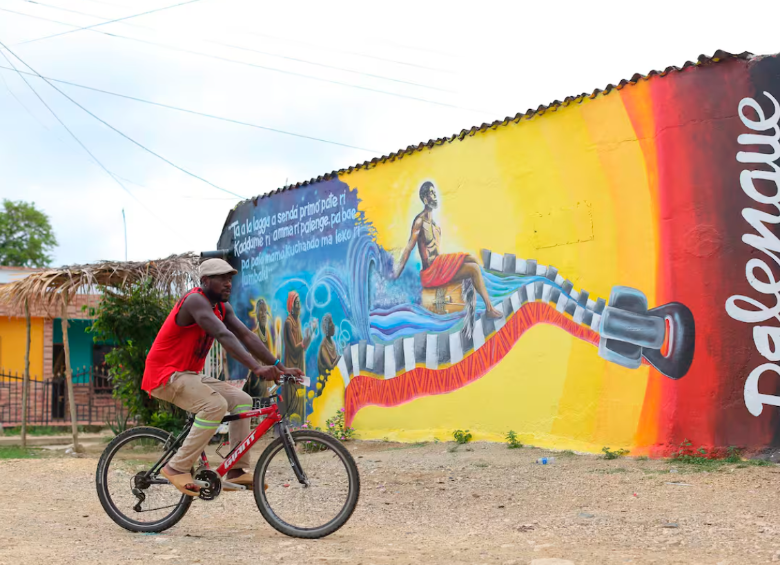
column 174, row 371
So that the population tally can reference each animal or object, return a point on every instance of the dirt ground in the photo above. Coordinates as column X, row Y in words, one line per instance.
column 423, row 503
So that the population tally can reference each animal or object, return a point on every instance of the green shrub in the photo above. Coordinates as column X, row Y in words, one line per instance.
column 512, row 441
column 609, row 454
column 461, row 436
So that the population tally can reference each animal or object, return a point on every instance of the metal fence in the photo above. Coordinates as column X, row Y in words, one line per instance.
column 48, row 404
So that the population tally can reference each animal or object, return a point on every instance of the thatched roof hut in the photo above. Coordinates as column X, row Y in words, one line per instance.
column 53, row 289
column 48, row 288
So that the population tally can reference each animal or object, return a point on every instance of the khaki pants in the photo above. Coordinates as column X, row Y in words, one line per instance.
column 209, row 399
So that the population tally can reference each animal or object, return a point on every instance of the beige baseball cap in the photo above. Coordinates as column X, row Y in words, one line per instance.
column 216, row 267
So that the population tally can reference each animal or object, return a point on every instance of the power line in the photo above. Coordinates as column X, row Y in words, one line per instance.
column 196, row 113
column 292, row 73
column 47, row 128
column 296, row 59
column 261, row 52
column 345, row 52
column 52, row 6
column 115, row 129
column 107, row 3
column 23, row 105
column 74, row 136
column 112, row 21
column 254, row 65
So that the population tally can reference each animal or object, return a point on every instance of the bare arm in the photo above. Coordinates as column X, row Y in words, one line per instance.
column 200, row 310
column 416, row 227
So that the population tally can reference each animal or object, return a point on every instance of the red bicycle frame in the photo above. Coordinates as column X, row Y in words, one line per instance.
column 272, row 416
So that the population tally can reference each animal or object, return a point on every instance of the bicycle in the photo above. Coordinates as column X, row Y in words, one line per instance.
column 316, row 464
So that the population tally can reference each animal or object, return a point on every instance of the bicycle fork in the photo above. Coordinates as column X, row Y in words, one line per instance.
column 292, row 456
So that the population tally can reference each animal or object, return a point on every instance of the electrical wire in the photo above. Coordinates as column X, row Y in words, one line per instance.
column 196, row 113
column 345, row 52
column 267, row 53
column 112, row 21
column 22, row 104
column 263, row 67
column 52, row 6
column 84, row 147
column 326, row 66
column 174, row 165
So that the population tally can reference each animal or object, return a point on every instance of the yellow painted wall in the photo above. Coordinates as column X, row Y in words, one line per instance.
column 554, row 189
column 13, row 334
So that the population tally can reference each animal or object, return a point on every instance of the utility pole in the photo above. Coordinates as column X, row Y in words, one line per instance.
column 124, row 221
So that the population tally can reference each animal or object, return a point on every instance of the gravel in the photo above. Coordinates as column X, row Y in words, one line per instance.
column 424, row 503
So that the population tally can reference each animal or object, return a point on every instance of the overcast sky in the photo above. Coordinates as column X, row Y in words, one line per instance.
column 377, row 76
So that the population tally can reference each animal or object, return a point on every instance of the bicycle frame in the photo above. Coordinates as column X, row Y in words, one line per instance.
column 273, row 417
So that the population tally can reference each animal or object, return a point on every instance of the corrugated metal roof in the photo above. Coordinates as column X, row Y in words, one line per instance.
column 702, row 60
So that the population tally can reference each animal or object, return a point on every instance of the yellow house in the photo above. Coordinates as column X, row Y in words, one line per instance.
column 13, row 332
column 46, row 352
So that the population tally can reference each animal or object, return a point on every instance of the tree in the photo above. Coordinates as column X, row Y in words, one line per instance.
column 26, row 236
column 131, row 319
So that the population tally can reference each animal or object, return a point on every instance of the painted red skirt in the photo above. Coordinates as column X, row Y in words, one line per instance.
column 442, row 270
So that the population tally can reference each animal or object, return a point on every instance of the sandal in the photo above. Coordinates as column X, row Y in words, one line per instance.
column 183, row 482
column 245, row 480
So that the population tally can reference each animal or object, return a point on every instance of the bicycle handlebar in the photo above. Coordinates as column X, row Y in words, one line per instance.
column 288, row 379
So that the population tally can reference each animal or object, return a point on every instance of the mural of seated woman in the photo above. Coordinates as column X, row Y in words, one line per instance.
column 438, row 269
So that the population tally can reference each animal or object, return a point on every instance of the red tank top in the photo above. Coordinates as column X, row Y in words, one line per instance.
column 178, row 348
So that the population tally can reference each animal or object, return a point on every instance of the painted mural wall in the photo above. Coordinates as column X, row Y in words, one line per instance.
column 603, row 272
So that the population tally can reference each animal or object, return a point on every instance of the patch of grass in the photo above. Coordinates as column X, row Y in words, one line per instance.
column 482, row 465
column 16, row 452
column 462, row 436
column 42, row 430
column 512, row 441
column 609, row 454
column 702, row 460
column 567, row 453
column 407, row 446
column 755, row 463
column 643, row 458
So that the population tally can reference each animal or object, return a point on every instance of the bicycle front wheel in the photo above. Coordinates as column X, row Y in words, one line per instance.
column 318, row 508
column 134, row 501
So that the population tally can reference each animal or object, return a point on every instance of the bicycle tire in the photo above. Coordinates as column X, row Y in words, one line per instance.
column 307, row 533
column 101, row 475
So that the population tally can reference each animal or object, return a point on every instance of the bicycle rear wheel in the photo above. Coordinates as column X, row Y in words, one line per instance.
column 307, row 511
column 137, row 503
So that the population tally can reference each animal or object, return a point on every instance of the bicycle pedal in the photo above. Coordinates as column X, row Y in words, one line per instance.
column 232, row 486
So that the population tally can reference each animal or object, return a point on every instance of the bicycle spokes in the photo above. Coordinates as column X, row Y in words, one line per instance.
column 308, row 487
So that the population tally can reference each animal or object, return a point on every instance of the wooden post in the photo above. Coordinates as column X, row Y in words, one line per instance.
column 26, row 377
column 69, row 376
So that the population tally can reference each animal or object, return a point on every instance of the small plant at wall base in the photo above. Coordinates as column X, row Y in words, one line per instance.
column 118, row 424
column 461, row 436
column 686, row 454
column 733, row 455
column 309, row 446
column 512, row 441
column 609, row 454
column 335, row 426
